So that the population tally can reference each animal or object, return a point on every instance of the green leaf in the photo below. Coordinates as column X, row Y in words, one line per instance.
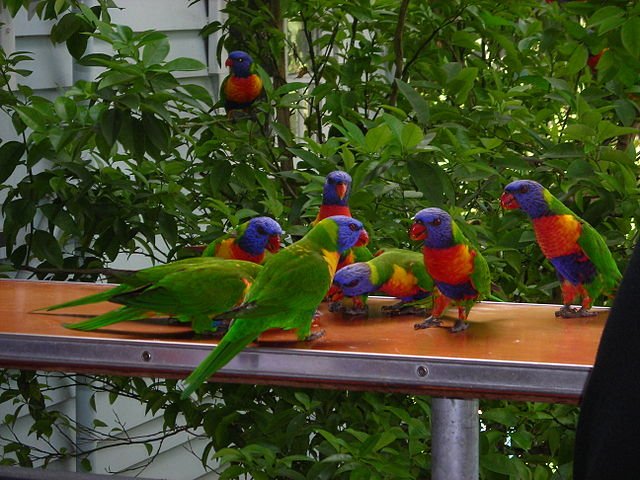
column 606, row 130
column 418, row 103
column 432, row 181
column 183, row 64
column 411, row 136
column 11, row 153
column 630, row 34
column 65, row 108
column 377, row 138
column 45, row 246
column 31, row 117
column 577, row 60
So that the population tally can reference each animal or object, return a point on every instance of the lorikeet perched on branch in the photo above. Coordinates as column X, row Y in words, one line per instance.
column 193, row 289
column 459, row 271
column 395, row 272
column 243, row 86
column 248, row 241
column 285, row 294
column 580, row 256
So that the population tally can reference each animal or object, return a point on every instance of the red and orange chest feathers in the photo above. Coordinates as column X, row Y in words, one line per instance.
column 243, row 89
column 327, row 211
column 451, row 265
column 230, row 250
column 557, row 235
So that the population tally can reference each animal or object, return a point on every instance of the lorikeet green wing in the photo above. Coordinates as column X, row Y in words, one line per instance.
column 285, row 294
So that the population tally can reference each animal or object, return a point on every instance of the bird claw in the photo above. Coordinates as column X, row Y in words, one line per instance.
column 314, row 336
column 567, row 311
column 459, row 326
column 428, row 323
column 335, row 307
column 400, row 309
column 355, row 310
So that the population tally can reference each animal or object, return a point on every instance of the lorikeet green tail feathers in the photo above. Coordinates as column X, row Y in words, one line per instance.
column 115, row 316
column 236, row 339
column 579, row 254
column 98, row 297
column 286, row 292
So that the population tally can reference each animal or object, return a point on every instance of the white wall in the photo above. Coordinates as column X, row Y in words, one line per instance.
column 53, row 71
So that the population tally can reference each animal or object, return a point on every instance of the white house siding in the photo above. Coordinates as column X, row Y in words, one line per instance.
column 53, row 71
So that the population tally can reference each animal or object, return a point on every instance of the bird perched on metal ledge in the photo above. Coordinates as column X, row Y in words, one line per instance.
column 250, row 241
column 579, row 254
column 285, row 294
column 459, row 271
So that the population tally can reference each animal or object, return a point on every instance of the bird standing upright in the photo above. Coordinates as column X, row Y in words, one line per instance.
column 241, row 88
column 459, row 271
column 579, row 254
column 248, row 241
column 285, row 294
column 335, row 196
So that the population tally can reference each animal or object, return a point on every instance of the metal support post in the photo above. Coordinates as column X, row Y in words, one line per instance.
column 455, row 430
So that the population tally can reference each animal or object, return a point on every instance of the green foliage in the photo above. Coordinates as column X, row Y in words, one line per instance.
column 442, row 106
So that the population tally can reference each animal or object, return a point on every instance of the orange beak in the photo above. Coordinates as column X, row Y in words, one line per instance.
column 274, row 243
column 417, row 232
column 341, row 190
column 363, row 239
column 508, row 201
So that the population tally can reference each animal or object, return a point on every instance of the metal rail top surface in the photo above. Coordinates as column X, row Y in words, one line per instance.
column 511, row 350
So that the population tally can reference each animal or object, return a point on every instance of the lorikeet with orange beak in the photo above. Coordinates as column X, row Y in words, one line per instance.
column 285, row 294
column 243, row 86
column 335, row 196
column 395, row 272
column 459, row 271
column 249, row 241
column 580, row 256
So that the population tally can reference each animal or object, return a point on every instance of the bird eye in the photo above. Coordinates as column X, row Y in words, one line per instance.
column 436, row 222
column 524, row 188
column 239, row 59
column 352, row 283
column 419, row 222
column 262, row 231
column 353, row 227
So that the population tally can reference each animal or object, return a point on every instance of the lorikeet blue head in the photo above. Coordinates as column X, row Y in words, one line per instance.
column 433, row 226
column 528, row 196
column 355, row 280
column 261, row 233
column 351, row 232
column 336, row 189
column 240, row 63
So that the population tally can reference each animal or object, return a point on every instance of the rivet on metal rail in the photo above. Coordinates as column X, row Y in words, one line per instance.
column 422, row 371
column 146, row 356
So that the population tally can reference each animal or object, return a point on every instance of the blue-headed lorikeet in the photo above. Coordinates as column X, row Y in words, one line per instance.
column 192, row 289
column 460, row 273
column 580, row 256
column 335, row 201
column 285, row 294
column 241, row 88
column 395, row 272
column 249, row 241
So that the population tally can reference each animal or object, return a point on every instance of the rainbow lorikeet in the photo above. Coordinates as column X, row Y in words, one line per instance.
column 249, row 241
column 459, row 271
column 580, row 256
column 241, row 88
column 193, row 289
column 335, row 201
column 285, row 294
column 394, row 272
